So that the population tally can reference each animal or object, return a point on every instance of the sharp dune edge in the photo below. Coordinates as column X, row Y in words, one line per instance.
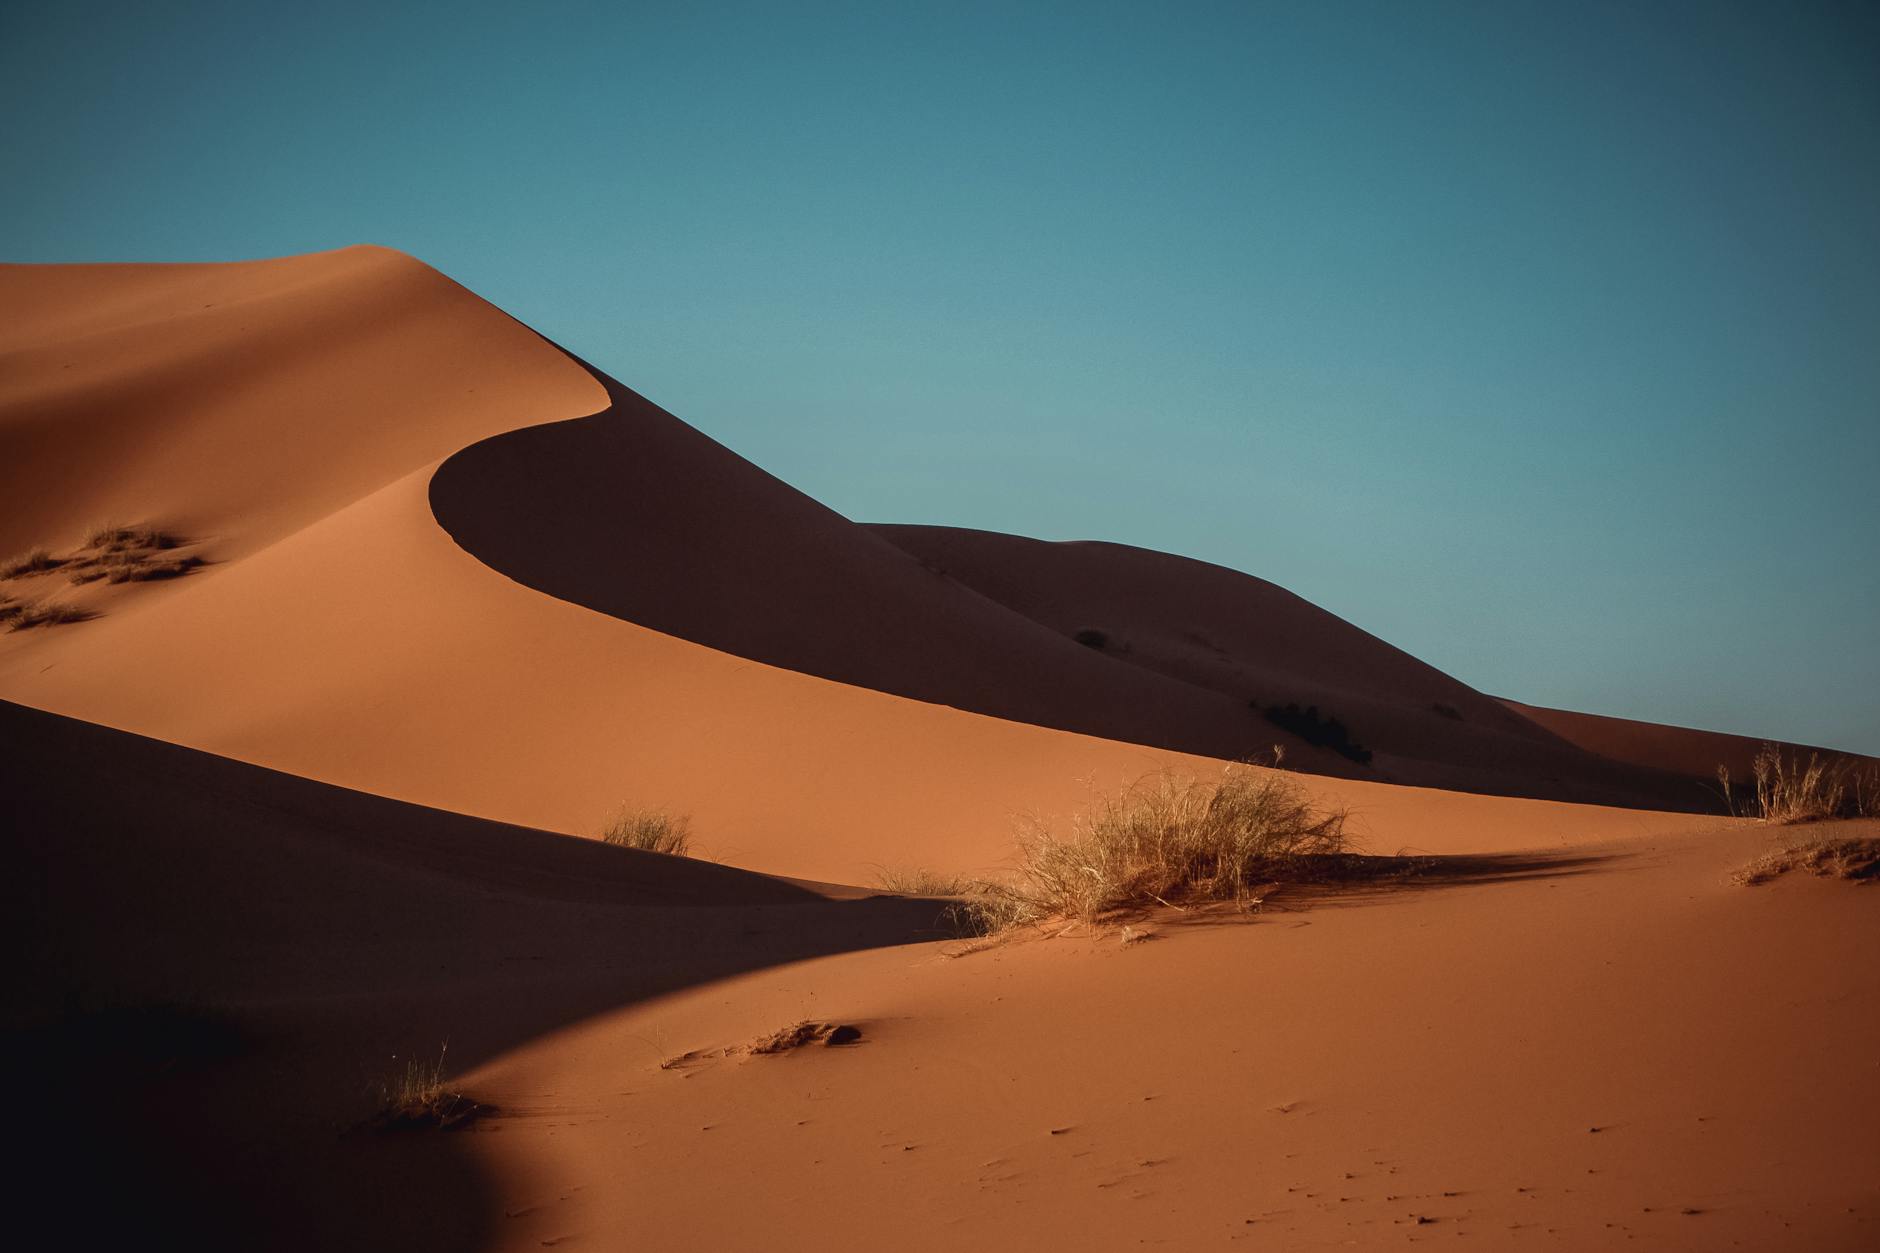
column 463, row 596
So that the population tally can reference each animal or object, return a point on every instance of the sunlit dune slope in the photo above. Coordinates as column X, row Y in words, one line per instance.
column 1629, row 1053
column 627, row 612
column 240, row 402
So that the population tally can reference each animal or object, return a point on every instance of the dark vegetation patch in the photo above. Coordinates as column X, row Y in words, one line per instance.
column 1091, row 637
column 1447, row 711
column 1785, row 788
column 111, row 554
column 650, row 831
column 29, row 616
column 797, row 1035
column 417, row 1098
column 38, row 561
column 130, row 554
column 1312, row 727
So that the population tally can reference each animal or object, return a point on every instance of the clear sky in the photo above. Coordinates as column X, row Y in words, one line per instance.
column 1542, row 340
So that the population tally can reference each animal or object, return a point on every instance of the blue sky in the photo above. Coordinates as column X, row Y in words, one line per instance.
column 1542, row 340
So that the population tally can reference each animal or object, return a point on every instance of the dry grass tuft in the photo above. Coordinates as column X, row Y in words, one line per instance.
column 981, row 907
column 1855, row 858
column 38, row 561
column 118, row 554
column 993, row 909
column 130, row 554
column 651, row 830
column 1173, row 840
column 919, row 881
column 27, row 616
column 417, row 1098
column 117, row 538
column 796, row 1035
column 1790, row 790
column 150, row 571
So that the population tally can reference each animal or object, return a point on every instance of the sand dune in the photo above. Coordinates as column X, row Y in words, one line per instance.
column 1676, row 750
column 220, row 963
column 308, row 805
column 1575, row 1053
column 281, row 409
column 1636, row 1053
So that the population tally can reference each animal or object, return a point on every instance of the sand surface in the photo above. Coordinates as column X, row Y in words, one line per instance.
column 322, row 803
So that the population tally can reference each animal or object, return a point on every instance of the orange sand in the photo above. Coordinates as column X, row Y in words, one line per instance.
column 465, row 596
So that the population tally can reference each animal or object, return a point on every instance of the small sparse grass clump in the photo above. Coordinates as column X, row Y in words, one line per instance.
column 980, row 907
column 1789, row 790
column 38, row 561
column 1172, row 840
column 796, row 1035
column 650, row 830
column 152, row 571
column 130, row 554
column 919, row 881
column 1855, row 858
column 118, row 538
column 113, row 554
column 417, row 1097
column 25, row 617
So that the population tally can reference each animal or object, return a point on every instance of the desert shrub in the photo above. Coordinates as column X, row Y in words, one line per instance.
column 1447, row 711
column 1787, row 789
column 1091, row 637
column 30, row 616
column 919, row 881
column 1311, row 727
column 417, row 1097
column 979, row 906
column 796, row 1035
column 1856, row 859
column 1170, row 839
column 151, row 571
column 38, row 561
column 651, row 830
column 114, row 538
column 994, row 908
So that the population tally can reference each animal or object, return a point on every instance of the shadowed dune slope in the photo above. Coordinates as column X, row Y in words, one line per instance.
column 1241, row 636
column 633, row 513
column 295, row 414
column 1678, row 750
column 219, row 964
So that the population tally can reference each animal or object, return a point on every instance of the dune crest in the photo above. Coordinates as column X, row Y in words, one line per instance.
column 368, row 450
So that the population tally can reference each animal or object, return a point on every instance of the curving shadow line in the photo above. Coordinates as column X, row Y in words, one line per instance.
column 215, row 962
column 634, row 514
column 1343, row 880
column 1360, row 878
